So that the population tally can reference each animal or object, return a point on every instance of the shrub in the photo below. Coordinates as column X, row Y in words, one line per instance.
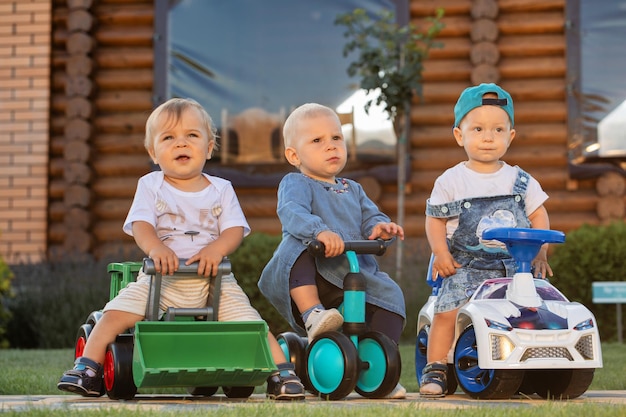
column 5, row 293
column 52, row 300
column 591, row 253
column 248, row 262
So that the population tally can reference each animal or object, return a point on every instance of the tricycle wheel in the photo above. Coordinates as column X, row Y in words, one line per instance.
column 482, row 383
column 238, row 392
column 559, row 384
column 81, row 339
column 294, row 348
column 381, row 365
column 202, row 391
column 332, row 365
column 118, row 371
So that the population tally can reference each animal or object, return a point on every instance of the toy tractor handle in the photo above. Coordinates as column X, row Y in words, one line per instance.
column 184, row 271
column 192, row 269
column 372, row 247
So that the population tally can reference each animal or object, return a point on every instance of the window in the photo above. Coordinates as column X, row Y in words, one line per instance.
column 264, row 57
column 597, row 89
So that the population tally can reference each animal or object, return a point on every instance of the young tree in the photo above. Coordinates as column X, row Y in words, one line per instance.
column 390, row 61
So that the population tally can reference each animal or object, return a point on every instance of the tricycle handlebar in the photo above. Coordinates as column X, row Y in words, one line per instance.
column 372, row 247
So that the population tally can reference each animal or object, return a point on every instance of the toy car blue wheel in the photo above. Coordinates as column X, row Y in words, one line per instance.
column 482, row 383
column 332, row 365
column 380, row 365
column 118, row 370
column 421, row 349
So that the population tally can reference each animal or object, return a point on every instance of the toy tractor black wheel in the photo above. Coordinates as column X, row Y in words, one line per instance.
column 81, row 339
column 202, row 391
column 118, row 370
column 238, row 392
column 557, row 384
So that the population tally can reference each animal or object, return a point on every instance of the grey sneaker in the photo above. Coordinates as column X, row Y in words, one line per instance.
column 320, row 321
column 398, row 393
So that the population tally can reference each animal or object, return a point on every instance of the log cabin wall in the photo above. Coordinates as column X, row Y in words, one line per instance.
column 102, row 78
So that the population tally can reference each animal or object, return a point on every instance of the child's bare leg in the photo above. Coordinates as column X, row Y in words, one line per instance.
column 440, row 340
column 105, row 331
column 305, row 297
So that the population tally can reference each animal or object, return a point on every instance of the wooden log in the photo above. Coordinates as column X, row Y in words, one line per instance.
column 611, row 207
column 77, row 241
column 127, row 165
column 76, row 151
column 79, row 43
column 452, row 48
column 611, row 184
column 77, row 218
column 527, row 134
column 79, row 4
column 79, row 20
column 79, row 108
column 270, row 225
column 115, row 187
column 487, row 9
column 78, row 85
column 257, row 205
column 121, row 123
column 124, row 58
column 112, row 209
column 56, row 212
column 530, row 5
column 124, row 100
column 77, row 129
column 525, row 112
column 78, row 65
column 117, row 144
column 112, row 36
column 77, row 195
column 127, row 15
column 124, row 79
column 428, row 7
column 532, row 45
column 446, row 70
column 108, row 230
column 56, row 167
column 56, row 188
column 527, row 67
column 485, row 73
column 77, row 173
column 531, row 23
column 484, row 30
column 118, row 251
column 484, row 53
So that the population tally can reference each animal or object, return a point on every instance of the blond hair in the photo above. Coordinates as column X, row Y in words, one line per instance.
column 290, row 129
column 173, row 110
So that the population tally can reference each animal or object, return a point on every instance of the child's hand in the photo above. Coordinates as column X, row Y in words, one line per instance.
column 165, row 260
column 208, row 261
column 540, row 264
column 387, row 231
column 444, row 265
column 333, row 243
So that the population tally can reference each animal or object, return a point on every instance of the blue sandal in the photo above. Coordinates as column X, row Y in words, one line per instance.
column 434, row 373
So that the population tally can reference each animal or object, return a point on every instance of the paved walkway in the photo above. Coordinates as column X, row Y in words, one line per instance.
column 170, row 402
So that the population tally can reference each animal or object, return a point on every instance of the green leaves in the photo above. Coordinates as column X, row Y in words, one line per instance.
column 389, row 57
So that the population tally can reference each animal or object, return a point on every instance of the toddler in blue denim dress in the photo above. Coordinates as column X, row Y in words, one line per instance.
column 316, row 204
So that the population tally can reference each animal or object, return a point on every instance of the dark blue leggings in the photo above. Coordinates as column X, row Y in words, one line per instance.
column 304, row 272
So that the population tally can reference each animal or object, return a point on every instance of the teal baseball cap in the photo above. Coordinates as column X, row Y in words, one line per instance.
column 472, row 97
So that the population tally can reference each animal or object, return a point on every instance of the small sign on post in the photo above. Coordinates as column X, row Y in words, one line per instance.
column 611, row 292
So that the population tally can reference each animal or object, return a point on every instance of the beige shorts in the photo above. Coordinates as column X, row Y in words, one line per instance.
column 186, row 293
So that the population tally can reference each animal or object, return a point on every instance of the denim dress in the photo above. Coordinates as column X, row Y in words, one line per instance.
column 307, row 207
column 479, row 259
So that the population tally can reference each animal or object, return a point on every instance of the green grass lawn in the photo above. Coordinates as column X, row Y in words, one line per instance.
column 36, row 372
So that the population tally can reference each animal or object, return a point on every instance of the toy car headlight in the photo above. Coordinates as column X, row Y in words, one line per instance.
column 585, row 325
column 501, row 347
